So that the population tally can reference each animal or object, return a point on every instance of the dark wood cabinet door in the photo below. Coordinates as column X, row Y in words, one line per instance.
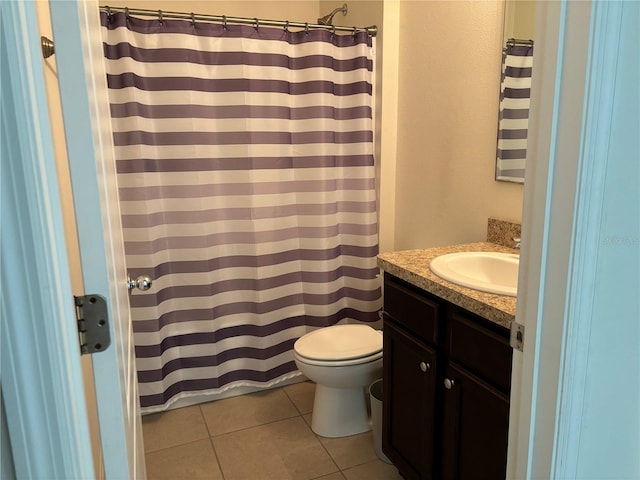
column 409, row 403
column 475, row 428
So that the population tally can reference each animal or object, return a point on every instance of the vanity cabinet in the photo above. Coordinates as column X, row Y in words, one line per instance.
column 447, row 376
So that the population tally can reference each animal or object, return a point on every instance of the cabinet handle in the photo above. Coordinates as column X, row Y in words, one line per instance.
column 449, row 384
column 425, row 366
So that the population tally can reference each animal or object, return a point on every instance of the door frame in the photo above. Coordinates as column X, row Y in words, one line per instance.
column 573, row 83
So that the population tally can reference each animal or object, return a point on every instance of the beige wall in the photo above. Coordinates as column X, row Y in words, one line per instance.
column 449, row 64
column 519, row 19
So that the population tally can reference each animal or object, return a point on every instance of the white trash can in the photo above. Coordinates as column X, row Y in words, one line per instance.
column 375, row 394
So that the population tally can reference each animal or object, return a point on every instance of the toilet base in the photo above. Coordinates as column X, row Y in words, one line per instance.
column 339, row 412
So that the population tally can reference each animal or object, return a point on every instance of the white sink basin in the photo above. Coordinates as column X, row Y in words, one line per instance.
column 490, row 272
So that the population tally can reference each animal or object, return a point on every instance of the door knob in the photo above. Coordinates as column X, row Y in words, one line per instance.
column 449, row 384
column 424, row 366
column 143, row 282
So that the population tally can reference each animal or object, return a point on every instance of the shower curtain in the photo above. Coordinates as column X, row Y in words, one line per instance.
column 513, row 122
column 246, row 178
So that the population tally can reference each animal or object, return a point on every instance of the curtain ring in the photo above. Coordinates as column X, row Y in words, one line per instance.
column 333, row 30
column 306, row 28
column 286, row 26
column 127, row 15
column 193, row 19
column 160, row 17
column 224, row 22
column 108, row 9
column 257, row 24
column 355, row 32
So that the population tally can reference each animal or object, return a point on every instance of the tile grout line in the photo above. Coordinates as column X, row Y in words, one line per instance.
column 204, row 419
column 325, row 449
column 215, row 453
column 174, row 446
column 258, row 425
column 301, row 415
column 251, row 426
column 284, row 389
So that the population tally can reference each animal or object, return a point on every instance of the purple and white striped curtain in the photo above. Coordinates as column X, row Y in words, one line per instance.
column 513, row 121
column 246, row 176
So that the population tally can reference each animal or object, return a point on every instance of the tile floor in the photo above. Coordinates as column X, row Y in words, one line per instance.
column 265, row 435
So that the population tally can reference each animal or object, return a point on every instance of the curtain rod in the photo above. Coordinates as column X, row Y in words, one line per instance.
column 256, row 22
column 518, row 41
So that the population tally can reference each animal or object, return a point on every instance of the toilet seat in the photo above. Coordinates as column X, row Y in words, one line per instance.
column 339, row 363
column 340, row 345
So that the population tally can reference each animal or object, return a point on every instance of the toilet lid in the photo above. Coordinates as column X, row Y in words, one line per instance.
column 340, row 342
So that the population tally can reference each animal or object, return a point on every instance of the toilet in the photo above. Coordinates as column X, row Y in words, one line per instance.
column 342, row 360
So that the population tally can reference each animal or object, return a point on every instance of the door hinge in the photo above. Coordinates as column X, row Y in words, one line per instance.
column 516, row 339
column 93, row 323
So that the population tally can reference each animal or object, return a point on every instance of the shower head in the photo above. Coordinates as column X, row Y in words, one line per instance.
column 328, row 19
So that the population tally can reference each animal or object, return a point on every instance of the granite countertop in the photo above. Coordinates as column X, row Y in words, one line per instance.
column 413, row 266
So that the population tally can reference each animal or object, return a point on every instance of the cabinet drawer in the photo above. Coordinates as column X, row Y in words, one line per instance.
column 411, row 310
column 483, row 352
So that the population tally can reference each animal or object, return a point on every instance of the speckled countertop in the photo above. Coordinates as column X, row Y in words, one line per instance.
column 413, row 266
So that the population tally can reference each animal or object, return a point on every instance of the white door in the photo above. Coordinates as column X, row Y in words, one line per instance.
column 46, row 433
column 85, row 107
column 42, row 384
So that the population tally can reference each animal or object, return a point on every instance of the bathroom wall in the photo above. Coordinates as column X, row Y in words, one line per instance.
column 449, row 64
column 519, row 19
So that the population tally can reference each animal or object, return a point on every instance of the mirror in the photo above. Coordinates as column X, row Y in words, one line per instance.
column 515, row 89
